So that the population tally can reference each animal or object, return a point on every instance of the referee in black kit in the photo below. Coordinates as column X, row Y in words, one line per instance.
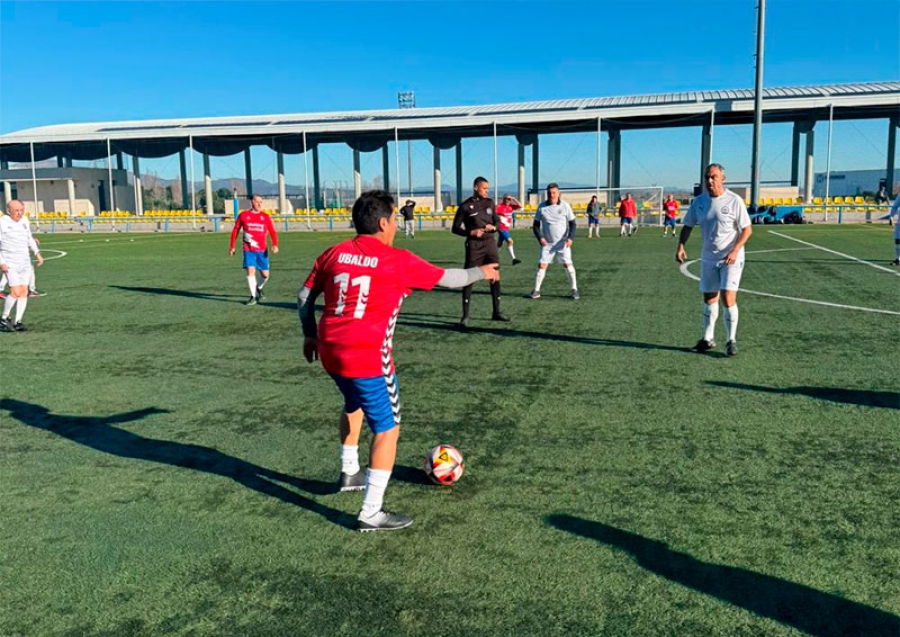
column 477, row 221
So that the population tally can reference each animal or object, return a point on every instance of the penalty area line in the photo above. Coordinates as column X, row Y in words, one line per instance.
column 840, row 254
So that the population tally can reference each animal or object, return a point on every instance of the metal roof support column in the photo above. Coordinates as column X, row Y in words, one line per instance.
column 535, row 166
column 68, row 160
column 282, row 198
column 120, row 161
column 614, row 163
column 397, row 160
column 757, row 100
column 306, row 179
column 70, row 186
column 459, row 171
column 795, row 156
column 59, row 161
column 34, row 180
column 138, row 186
column 520, row 190
column 438, row 202
column 496, row 194
column 599, row 145
column 182, row 162
column 706, row 154
column 207, row 185
column 317, row 186
column 808, row 181
column 7, row 193
column 357, row 176
column 193, row 194
column 386, row 168
column 248, row 173
column 893, row 125
column 828, row 157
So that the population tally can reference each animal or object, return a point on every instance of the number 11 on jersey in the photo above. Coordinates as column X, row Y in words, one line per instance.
column 362, row 282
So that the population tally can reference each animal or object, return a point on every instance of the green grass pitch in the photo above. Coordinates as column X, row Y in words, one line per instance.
column 168, row 456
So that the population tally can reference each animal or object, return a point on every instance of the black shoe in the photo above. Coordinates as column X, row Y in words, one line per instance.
column 34, row 294
column 517, row 261
column 260, row 295
column 20, row 327
column 575, row 295
column 703, row 346
column 251, row 301
column 383, row 521
column 895, row 262
column 497, row 316
column 355, row 482
column 464, row 322
column 6, row 326
column 731, row 348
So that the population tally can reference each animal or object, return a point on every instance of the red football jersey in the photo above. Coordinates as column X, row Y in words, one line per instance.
column 255, row 226
column 671, row 209
column 364, row 282
column 505, row 212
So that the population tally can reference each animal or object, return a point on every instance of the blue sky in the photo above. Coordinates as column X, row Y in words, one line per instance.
column 79, row 62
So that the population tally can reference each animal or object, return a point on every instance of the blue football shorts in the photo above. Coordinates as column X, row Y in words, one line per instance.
column 377, row 396
column 504, row 235
column 258, row 259
column 669, row 221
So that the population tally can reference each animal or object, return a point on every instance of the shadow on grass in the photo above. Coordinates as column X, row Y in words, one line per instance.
column 100, row 434
column 549, row 336
column 795, row 605
column 226, row 298
column 864, row 397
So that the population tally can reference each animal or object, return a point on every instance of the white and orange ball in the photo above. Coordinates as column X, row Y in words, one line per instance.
column 444, row 464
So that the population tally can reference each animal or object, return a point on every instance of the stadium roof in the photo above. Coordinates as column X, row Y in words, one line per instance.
column 443, row 126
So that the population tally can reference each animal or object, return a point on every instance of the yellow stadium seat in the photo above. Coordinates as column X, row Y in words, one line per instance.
column 859, row 200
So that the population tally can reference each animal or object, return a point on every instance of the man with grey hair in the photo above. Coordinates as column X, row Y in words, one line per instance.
column 725, row 227
column 15, row 262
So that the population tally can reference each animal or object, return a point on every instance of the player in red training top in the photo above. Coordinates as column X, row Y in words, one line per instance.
column 256, row 225
column 627, row 215
column 670, row 207
column 364, row 281
column 505, row 210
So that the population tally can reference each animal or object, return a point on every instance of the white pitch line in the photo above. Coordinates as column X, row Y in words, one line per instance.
column 684, row 271
column 60, row 254
column 840, row 254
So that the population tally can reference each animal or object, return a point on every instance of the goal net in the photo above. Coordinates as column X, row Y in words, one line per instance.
column 648, row 199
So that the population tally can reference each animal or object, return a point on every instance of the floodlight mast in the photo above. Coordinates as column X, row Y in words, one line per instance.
column 757, row 102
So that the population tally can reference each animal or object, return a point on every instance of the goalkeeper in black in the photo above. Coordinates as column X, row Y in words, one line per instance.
column 477, row 221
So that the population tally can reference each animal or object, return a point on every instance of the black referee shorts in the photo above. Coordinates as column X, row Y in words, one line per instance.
column 481, row 251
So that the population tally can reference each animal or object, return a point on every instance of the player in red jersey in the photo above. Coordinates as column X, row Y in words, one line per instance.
column 364, row 281
column 627, row 216
column 505, row 209
column 255, row 225
column 670, row 207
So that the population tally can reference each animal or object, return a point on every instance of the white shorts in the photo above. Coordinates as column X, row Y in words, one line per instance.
column 715, row 277
column 18, row 274
column 563, row 254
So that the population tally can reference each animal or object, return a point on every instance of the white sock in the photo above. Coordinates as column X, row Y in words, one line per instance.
column 262, row 283
column 710, row 316
column 350, row 459
column 512, row 252
column 376, row 485
column 20, row 308
column 8, row 305
column 622, row 229
column 731, row 320
column 570, row 273
column 539, row 279
column 251, row 282
column 2, row 281
column 31, row 281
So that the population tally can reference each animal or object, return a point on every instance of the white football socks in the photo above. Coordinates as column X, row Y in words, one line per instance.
column 8, row 305
column 20, row 308
column 376, row 484
column 570, row 273
column 512, row 252
column 539, row 279
column 731, row 321
column 350, row 459
column 710, row 316
column 262, row 283
column 251, row 283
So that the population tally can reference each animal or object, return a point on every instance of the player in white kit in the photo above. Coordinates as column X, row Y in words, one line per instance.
column 554, row 228
column 15, row 261
column 725, row 227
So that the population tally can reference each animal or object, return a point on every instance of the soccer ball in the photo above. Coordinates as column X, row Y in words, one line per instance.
column 444, row 464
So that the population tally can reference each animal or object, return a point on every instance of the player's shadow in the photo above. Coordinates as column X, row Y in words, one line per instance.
column 864, row 397
column 547, row 336
column 795, row 605
column 225, row 298
column 99, row 433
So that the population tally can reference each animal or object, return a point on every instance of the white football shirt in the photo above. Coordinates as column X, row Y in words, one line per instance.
column 15, row 241
column 554, row 220
column 721, row 220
